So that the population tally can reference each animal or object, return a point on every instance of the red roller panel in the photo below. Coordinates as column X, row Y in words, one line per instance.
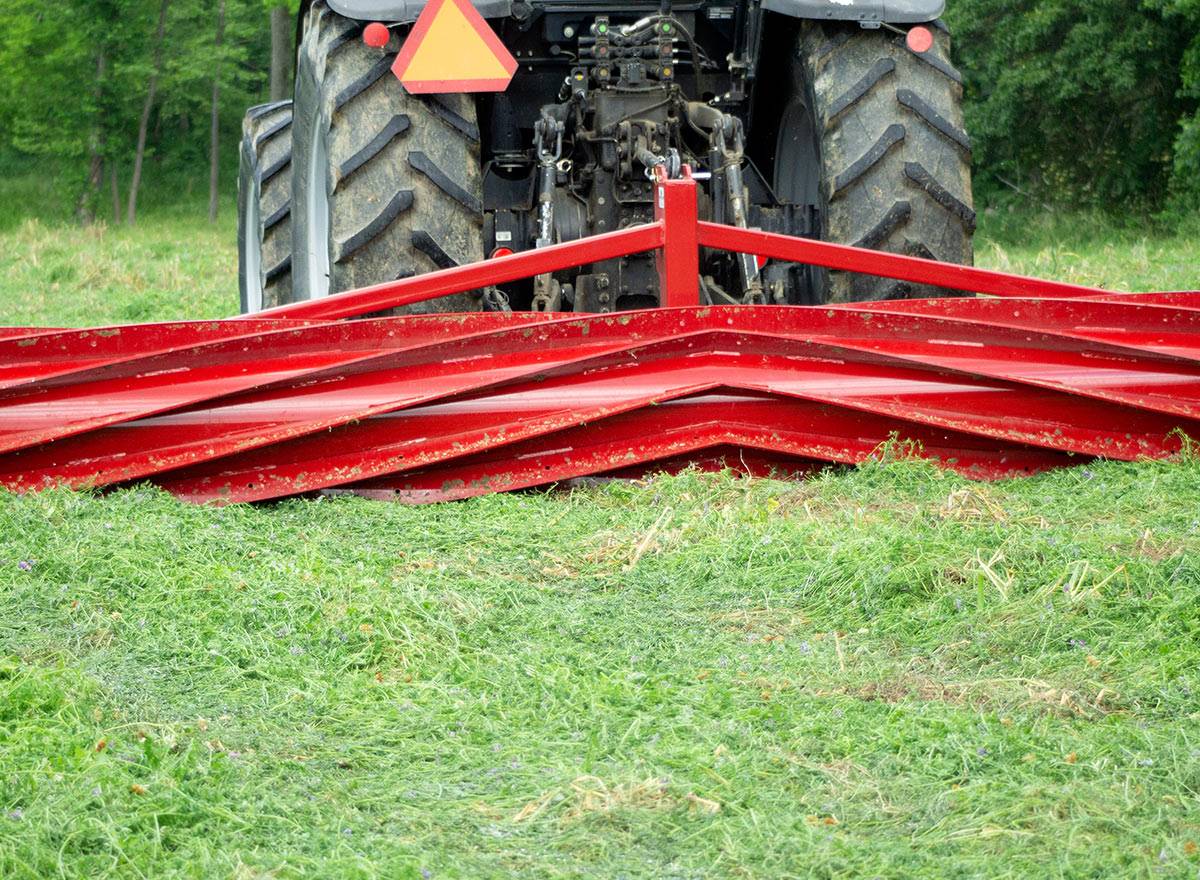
column 1035, row 375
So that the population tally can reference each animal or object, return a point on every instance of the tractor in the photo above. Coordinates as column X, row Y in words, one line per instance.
column 837, row 120
column 621, row 240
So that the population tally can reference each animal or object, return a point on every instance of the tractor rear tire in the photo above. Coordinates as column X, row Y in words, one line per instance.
column 893, row 159
column 264, row 207
column 387, row 184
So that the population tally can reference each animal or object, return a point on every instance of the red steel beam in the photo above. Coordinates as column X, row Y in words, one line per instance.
column 432, row 285
column 867, row 262
column 53, row 357
column 678, row 259
column 675, row 220
column 1138, row 322
column 682, row 430
column 432, row 486
column 423, row 366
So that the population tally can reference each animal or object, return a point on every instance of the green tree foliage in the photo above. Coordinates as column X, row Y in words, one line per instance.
column 1187, row 146
column 76, row 75
column 1074, row 101
column 52, row 92
column 192, row 61
column 1083, row 101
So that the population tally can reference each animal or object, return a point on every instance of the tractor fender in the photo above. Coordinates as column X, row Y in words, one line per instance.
column 888, row 11
column 405, row 11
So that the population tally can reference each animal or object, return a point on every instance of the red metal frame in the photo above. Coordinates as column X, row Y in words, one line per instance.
column 676, row 234
column 678, row 259
column 429, row 407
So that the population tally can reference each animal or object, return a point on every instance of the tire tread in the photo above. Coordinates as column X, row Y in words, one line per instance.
column 402, row 171
column 265, row 177
column 893, row 150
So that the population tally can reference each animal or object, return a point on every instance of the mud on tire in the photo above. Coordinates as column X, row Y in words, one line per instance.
column 893, row 155
column 387, row 184
column 264, row 207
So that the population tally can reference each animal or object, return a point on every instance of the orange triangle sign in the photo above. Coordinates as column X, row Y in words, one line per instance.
column 452, row 49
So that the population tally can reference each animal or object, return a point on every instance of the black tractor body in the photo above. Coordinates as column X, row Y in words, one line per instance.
column 819, row 118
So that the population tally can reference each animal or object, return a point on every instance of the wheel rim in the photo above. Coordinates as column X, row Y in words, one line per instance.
column 797, row 158
column 797, row 179
column 252, row 254
column 316, row 203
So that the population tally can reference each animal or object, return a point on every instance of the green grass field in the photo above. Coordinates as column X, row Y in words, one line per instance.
column 881, row 672
column 176, row 265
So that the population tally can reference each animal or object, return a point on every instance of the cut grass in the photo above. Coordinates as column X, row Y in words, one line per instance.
column 882, row 672
column 887, row 672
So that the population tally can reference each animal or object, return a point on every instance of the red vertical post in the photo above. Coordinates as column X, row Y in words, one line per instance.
column 679, row 257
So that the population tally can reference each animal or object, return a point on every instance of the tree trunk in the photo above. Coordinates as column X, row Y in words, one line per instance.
column 214, row 141
column 85, row 210
column 147, row 107
column 281, row 52
column 116, row 191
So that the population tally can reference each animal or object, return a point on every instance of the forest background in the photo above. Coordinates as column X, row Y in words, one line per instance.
column 108, row 104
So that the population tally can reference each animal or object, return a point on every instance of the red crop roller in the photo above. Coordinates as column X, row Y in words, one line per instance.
column 430, row 407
